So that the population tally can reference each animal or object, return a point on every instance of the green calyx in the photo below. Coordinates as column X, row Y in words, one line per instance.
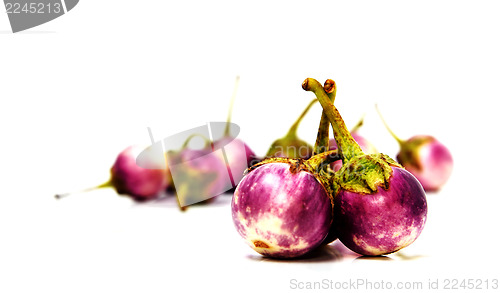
column 291, row 146
column 408, row 154
column 364, row 174
column 313, row 165
column 316, row 166
column 360, row 173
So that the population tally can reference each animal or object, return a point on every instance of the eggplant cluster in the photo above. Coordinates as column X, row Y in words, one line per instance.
column 287, row 207
column 299, row 197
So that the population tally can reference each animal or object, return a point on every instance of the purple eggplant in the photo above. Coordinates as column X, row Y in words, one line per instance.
column 379, row 207
column 199, row 175
column 129, row 179
column 425, row 157
column 281, row 208
column 428, row 159
column 382, row 222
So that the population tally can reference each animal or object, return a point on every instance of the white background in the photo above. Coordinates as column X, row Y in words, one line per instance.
column 77, row 90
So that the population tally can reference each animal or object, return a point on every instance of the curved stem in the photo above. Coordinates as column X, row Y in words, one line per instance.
column 293, row 130
column 320, row 160
column 188, row 139
column 323, row 140
column 227, row 130
column 105, row 184
column 359, row 124
column 347, row 145
column 399, row 140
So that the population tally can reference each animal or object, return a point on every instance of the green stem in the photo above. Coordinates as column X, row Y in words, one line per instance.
column 323, row 140
column 188, row 139
column 104, row 185
column 347, row 145
column 316, row 162
column 359, row 124
column 293, row 130
column 399, row 140
column 227, row 130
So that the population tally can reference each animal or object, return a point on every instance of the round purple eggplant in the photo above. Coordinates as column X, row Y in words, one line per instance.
column 374, row 197
column 281, row 210
column 130, row 179
column 199, row 175
column 428, row 159
column 382, row 222
column 425, row 157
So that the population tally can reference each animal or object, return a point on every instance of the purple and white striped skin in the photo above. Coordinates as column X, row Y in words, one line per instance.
column 433, row 164
column 281, row 214
column 383, row 222
column 130, row 179
column 379, row 207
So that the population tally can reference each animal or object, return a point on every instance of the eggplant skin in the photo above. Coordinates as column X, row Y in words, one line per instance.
column 130, row 179
column 281, row 214
column 432, row 165
column 383, row 222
